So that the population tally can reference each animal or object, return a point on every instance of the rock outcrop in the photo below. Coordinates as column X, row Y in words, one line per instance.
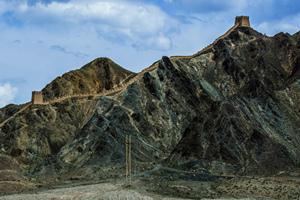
column 233, row 109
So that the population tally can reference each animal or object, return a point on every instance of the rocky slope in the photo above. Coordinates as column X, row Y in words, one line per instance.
column 95, row 77
column 253, row 126
column 11, row 175
column 233, row 109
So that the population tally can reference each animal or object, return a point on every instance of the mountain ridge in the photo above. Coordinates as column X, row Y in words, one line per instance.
column 99, row 75
column 233, row 109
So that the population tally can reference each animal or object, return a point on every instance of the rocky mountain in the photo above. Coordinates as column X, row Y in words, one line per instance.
column 232, row 109
column 253, row 126
column 97, row 76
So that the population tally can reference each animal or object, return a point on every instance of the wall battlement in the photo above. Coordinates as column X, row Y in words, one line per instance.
column 37, row 97
column 242, row 21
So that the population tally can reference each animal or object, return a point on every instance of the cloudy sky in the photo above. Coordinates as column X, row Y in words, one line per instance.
column 42, row 39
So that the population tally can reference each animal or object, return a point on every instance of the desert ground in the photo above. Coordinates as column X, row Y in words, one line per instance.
column 166, row 183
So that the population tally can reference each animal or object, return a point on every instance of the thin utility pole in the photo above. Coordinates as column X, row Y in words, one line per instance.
column 129, row 153
column 128, row 160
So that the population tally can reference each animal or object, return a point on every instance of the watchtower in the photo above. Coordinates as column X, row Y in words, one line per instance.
column 37, row 97
column 242, row 21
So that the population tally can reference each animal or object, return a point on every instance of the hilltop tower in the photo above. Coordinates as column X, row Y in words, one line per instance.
column 37, row 97
column 242, row 21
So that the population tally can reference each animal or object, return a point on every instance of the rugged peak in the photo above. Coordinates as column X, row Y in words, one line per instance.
column 97, row 76
column 105, row 63
column 100, row 62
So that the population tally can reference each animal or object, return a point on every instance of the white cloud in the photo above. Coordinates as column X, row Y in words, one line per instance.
column 7, row 94
column 160, row 42
column 212, row 6
column 163, row 42
column 2, row 7
column 132, row 21
column 289, row 24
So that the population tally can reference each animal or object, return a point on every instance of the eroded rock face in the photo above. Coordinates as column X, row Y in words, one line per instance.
column 234, row 109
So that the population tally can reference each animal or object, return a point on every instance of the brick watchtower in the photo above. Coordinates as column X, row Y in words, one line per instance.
column 37, row 98
column 242, row 21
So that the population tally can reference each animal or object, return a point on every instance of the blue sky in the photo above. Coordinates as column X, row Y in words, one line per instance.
column 42, row 39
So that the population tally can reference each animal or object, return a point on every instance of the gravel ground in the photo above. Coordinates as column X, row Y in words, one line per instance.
column 104, row 191
column 164, row 183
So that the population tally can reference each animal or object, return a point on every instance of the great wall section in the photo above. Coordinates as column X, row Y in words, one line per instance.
column 118, row 89
column 239, row 21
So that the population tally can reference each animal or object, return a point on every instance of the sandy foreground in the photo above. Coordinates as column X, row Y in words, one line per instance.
column 162, row 183
column 97, row 191
column 103, row 191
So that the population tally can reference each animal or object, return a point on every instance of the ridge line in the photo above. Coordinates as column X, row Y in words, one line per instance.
column 209, row 46
column 86, row 95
